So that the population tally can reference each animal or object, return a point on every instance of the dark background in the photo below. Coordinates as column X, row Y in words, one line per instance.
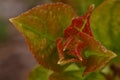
column 16, row 60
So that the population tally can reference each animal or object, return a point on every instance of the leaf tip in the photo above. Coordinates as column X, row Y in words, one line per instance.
column 113, row 55
column 92, row 6
column 11, row 20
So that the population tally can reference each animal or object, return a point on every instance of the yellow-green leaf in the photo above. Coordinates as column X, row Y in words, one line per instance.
column 39, row 73
column 105, row 23
column 76, row 75
column 41, row 26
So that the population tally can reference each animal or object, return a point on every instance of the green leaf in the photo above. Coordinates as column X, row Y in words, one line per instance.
column 76, row 75
column 105, row 23
column 71, row 73
column 41, row 26
column 97, row 55
column 95, row 76
column 39, row 73
column 68, row 75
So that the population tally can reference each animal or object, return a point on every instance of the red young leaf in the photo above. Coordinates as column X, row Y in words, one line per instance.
column 77, row 39
column 73, row 44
